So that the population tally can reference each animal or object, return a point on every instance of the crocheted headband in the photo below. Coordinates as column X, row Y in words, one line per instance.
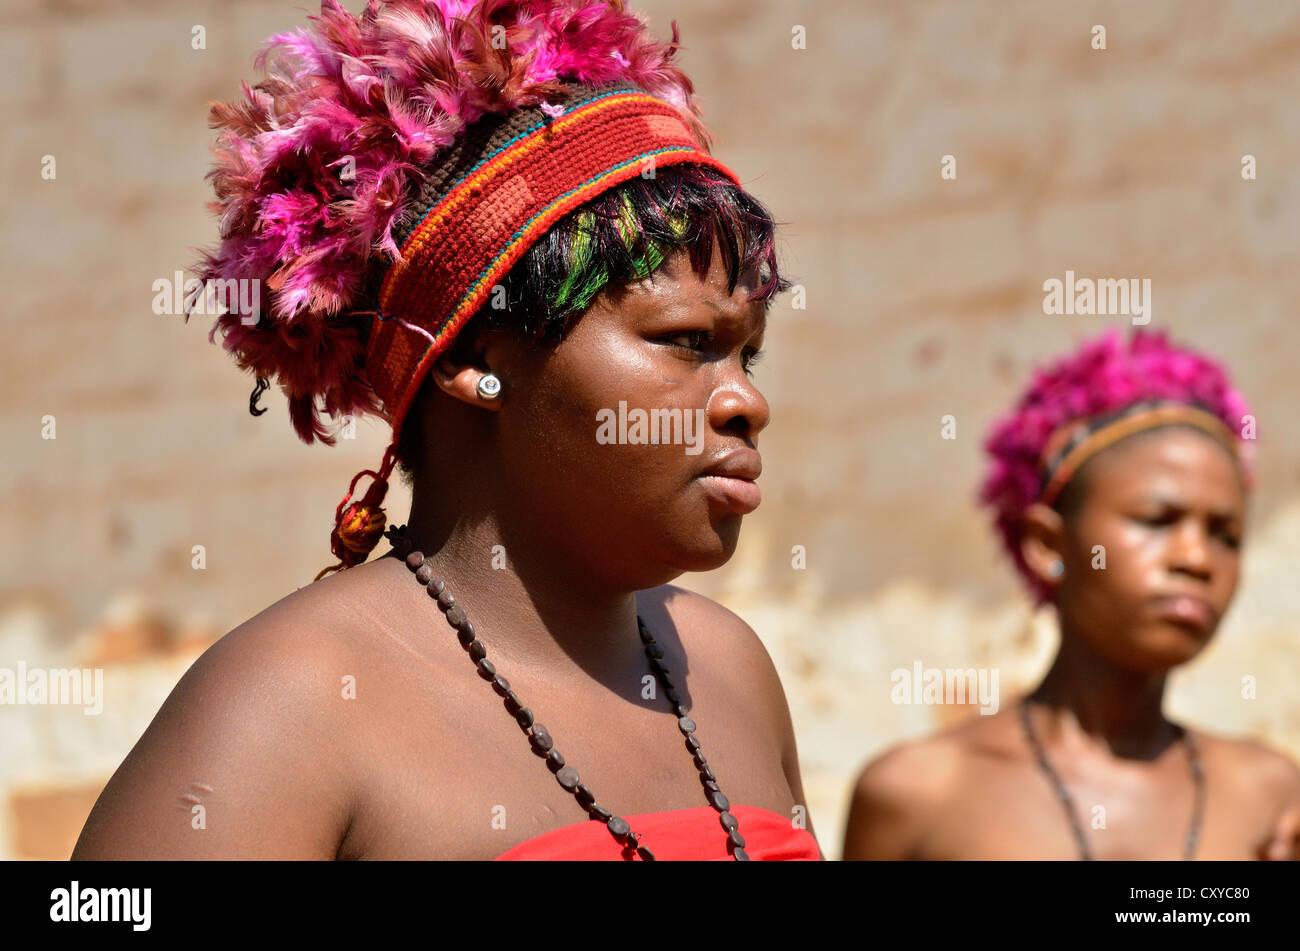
column 1107, row 389
column 392, row 168
column 1077, row 442
column 496, row 192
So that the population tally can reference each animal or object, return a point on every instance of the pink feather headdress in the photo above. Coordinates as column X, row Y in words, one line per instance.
column 316, row 165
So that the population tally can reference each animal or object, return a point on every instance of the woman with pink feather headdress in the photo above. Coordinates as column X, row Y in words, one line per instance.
column 493, row 225
column 1119, row 487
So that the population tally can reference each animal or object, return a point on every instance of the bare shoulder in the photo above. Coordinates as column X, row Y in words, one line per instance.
column 700, row 622
column 912, row 774
column 931, row 767
column 1255, row 766
column 286, row 657
column 713, row 636
column 246, row 758
column 896, row 795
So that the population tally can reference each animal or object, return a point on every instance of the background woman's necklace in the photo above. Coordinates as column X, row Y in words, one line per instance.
column 1193, row 764
column 541, row 741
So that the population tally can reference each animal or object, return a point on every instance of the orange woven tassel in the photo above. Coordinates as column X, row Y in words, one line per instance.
column 359, row 526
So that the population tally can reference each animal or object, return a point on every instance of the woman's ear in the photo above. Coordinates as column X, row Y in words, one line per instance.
column 1042, row 543
column 458, row 375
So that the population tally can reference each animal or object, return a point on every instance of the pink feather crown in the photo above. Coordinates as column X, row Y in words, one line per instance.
column 315, row 166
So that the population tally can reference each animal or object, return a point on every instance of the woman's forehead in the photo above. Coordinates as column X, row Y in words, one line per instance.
column 677, row 286
column 1171, row 459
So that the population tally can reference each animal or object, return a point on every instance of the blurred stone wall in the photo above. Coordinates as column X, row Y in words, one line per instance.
column 923, row 299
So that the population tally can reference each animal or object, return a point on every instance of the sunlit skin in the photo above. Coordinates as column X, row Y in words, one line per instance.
column 1172, row 542
column 1169, row 508
column 425, row 757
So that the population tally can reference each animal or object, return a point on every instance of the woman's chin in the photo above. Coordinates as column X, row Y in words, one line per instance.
column 710, row 554
column 1159, row 651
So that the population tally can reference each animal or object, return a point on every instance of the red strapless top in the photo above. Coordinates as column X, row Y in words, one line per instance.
column 681, row 835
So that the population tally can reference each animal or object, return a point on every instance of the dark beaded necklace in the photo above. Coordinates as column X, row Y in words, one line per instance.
column 542, row 743
column 1194, row 766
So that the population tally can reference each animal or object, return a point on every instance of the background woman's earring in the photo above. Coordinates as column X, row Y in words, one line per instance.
column 1056, row 568
column 489, row 386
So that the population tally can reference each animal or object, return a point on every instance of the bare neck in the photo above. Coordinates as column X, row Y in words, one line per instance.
column 529, row 601
column 1090, row 701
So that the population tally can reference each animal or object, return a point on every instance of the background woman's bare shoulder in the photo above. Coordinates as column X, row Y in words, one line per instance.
column 897, row 794
column 1258, row 770
column 248, row 756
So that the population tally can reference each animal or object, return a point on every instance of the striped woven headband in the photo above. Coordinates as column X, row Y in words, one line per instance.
column 489, row 198
column 1073, row 444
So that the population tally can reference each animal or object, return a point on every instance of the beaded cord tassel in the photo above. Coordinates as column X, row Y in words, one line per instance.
column 359, row 526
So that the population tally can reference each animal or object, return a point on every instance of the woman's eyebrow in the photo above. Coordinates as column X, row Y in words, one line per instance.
column 1166, row 501
column 734, row 317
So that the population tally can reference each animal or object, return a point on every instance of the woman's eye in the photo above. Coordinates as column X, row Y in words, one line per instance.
column 1165, row 518
column 696, row 339
column 1228, row 536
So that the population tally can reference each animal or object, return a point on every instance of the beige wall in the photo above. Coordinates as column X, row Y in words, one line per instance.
column 923, row 299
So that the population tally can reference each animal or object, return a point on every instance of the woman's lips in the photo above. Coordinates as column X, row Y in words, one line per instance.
column 740, row 495
column 1184, row 610
column 730, row 480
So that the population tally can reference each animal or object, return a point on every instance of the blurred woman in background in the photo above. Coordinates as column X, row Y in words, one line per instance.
column 1120, row 486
